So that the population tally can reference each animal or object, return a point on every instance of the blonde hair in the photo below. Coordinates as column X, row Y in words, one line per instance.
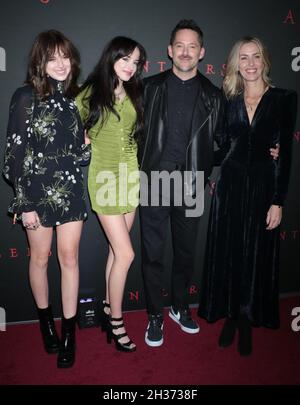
column 233, row 82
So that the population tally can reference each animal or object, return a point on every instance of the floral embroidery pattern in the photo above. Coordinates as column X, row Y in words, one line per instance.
column 43, row 126
column 45, row 146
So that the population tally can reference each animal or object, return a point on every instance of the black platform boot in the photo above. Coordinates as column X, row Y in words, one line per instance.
column 48, row 331
column 245, row 336
column 228, row 332
column 66, row 354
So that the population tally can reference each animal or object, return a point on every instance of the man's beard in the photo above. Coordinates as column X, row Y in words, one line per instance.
column 185, row 68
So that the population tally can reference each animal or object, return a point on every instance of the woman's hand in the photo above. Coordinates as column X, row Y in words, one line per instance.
column 275, row 152
column 87, row 140
column 30, row 220
column 274, row 216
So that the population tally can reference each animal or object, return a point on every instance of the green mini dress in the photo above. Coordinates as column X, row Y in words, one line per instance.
column 113, row 177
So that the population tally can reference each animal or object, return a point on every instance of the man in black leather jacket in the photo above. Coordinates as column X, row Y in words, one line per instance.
column 183, row 119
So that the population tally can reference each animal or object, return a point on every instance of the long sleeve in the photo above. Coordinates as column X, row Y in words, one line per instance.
column 142, row 139
column 18, row 134
column 84, row 151
column 221, row 134
column 288, row 115
column 84, row 154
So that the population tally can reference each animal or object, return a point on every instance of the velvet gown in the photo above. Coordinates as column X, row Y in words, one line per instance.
column 241, row 267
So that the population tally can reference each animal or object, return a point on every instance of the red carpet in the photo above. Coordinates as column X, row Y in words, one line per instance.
column 183, row 359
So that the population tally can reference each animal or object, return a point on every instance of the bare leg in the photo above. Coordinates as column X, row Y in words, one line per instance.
column 40, row 244
column 109, row 263
column 116, row 229
column 129, row 219
column 68, row 238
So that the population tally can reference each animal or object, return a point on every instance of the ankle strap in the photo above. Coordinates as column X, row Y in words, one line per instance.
column 106, row 304
column 119, row 326
column 116, row 319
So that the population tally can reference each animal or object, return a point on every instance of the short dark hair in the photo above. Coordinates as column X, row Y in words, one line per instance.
column 189, row 25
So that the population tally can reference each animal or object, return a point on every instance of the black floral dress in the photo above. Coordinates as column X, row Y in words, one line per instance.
column 45, row 148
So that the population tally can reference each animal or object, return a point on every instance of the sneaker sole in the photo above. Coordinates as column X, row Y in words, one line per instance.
column 185, row 329
column 154, row 343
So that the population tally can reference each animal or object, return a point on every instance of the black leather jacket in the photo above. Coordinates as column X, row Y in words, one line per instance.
column 206, row 127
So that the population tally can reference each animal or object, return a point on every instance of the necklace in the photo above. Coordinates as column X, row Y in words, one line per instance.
column 252, row 106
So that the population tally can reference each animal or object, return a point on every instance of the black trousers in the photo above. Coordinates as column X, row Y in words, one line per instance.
column 155, row 224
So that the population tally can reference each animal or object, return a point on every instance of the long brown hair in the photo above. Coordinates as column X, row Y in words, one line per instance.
column 43, row 49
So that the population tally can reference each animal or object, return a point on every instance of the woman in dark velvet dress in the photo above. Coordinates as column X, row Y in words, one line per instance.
column 44, row 150
column 240, row 281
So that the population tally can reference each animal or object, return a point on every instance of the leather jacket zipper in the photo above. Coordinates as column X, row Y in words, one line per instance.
column 188, row 189
column 197, row 134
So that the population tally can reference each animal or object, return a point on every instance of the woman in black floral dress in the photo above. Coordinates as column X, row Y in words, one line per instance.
column 45, row 147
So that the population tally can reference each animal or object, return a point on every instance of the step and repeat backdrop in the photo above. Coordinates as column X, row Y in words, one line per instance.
column 90, row 24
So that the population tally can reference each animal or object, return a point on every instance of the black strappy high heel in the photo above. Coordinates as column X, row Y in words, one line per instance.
column 122, row 347
column 104, row 316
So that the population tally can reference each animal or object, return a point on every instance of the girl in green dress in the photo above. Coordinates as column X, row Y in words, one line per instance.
column 110, row 105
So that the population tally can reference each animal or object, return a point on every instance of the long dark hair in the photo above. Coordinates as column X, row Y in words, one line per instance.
column 43, row 49
column 103, row 81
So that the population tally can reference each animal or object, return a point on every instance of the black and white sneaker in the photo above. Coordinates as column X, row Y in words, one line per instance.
column 184, row 320
column 154, row 333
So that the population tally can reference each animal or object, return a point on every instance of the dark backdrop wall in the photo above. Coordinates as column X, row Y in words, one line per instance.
column 90, row 24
